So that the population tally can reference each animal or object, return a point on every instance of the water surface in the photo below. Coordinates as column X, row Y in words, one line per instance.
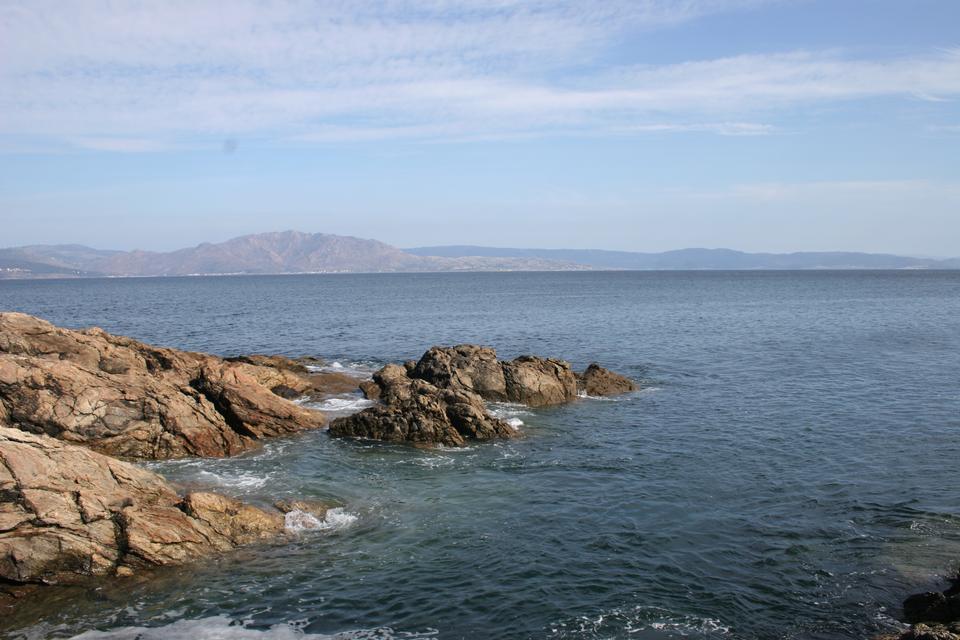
column 788, row 470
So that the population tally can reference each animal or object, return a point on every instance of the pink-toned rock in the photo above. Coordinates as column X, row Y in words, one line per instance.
column 68, row 514
column 125, row 398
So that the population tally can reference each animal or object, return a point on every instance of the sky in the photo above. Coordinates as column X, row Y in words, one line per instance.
column 645, row 125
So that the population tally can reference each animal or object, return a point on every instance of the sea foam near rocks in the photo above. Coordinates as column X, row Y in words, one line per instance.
column 335, row 519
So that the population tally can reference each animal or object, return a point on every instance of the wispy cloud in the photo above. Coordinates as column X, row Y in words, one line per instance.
column 148, row 76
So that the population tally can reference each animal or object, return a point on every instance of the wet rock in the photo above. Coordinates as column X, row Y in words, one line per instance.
column 125, row 398
column 68, row 514
column 418, row 412
column 597, row 381
column 316, row 509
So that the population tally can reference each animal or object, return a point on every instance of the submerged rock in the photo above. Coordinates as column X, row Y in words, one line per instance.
column 68, row 514
column 126, row 398
column 597, row 381
column 439, row 399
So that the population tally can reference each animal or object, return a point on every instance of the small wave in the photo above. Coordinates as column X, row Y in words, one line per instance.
column 223, row 628
column 236, row 479
column 355, row 369
column 351, row 404
column 334, row 520
column 509, row 412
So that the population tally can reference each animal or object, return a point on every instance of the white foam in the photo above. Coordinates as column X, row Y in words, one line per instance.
column 361, row 370
column 334, row 520
column 223, row 628
column 351, row 404
column 516, row 423
column 235, row 479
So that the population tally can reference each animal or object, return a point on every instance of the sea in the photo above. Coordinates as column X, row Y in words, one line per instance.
column 788, row 468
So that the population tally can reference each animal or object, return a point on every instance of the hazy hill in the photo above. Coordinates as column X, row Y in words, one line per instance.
column 295, row 252
column 699, row 258
column 281, row 252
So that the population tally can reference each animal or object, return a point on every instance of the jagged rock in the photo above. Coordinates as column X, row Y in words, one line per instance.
column 125, row 398
column 466, row 367
column 439, row 399
column 537, row 382
column 418, row 412
column 597, row 381
column 68, row 513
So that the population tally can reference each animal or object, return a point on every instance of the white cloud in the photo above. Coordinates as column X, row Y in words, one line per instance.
column 145, row 76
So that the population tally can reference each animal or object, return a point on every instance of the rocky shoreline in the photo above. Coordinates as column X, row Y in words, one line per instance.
column 79, row 408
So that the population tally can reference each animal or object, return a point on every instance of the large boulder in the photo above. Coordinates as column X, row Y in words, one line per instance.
column 597, row 381
column 68, row 514
column 538, row 382
column 467, row 367
column 122, row 397
column 420, row 413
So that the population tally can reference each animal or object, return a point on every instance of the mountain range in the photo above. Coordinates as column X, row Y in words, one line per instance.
column 296, row 252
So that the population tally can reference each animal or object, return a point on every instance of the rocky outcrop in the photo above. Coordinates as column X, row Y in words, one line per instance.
column 439, row 399
column 597, row 381
column 68, row 514
column 418, row 412
column 465, row 367
column 125, row 398
column 529, row 380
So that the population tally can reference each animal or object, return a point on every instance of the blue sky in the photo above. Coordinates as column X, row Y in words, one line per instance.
column 761, row 125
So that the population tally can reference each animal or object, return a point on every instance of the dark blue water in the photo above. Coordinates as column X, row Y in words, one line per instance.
column 789, row 470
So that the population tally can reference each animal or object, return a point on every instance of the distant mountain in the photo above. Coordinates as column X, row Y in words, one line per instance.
column 264, row 253
column 295, row 252
column 698, row 258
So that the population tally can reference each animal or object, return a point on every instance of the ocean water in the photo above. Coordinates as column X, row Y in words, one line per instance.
column 788, row 470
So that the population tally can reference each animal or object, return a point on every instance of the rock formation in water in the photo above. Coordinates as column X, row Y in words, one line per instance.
column 125, row 398
column 597, row 381
column 439, row 399
column 68, row 513
column 413, row 410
